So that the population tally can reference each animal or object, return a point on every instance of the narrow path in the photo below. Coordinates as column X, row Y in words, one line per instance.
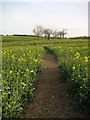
column 51, row 99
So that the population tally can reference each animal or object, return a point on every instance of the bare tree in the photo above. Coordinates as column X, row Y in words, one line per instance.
column 45, row 32
column 48, row 33
column 38, row 30
column 55, row 34
column 60, row 34
column 64, row 32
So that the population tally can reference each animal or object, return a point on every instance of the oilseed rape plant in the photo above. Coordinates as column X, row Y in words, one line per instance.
column 20, row 67
column 74, row 65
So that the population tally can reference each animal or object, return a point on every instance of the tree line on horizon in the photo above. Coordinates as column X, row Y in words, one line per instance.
column 40, row 31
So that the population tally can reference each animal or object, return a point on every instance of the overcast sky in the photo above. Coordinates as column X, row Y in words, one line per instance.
column 22, row 17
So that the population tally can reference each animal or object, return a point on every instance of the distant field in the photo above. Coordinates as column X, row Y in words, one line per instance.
column 26, row 40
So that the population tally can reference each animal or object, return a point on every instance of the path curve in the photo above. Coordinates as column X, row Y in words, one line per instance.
column 51, row 99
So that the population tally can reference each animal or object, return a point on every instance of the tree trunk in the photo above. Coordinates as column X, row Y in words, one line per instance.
column 48, row 37
column 63, row 36
column 45, row 36
column 60, row 36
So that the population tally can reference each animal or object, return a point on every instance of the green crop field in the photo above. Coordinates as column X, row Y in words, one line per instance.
column 20, row 67
column 74, row 66
column 21, row 64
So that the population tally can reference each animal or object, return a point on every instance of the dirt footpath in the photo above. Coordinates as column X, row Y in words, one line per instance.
column 51, row 100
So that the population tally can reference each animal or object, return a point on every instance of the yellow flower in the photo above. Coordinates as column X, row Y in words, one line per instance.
column 13, row 56
column 84, row 79
column 4, row 52
column 27, row 70
column 35, row 61
column 19, row 60
column 73, row 67
column 86, row 59
column 10, row 72
column 17, row 73
column 77, row 55
column 21, row 57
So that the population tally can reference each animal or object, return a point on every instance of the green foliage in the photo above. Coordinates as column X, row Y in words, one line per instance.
column 73, row 63
column 20, row 67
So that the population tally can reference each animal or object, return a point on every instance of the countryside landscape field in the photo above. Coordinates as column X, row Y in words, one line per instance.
column 22, row 63
column 44, row 59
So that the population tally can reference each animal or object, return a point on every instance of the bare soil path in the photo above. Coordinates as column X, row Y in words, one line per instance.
column 51, row 99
